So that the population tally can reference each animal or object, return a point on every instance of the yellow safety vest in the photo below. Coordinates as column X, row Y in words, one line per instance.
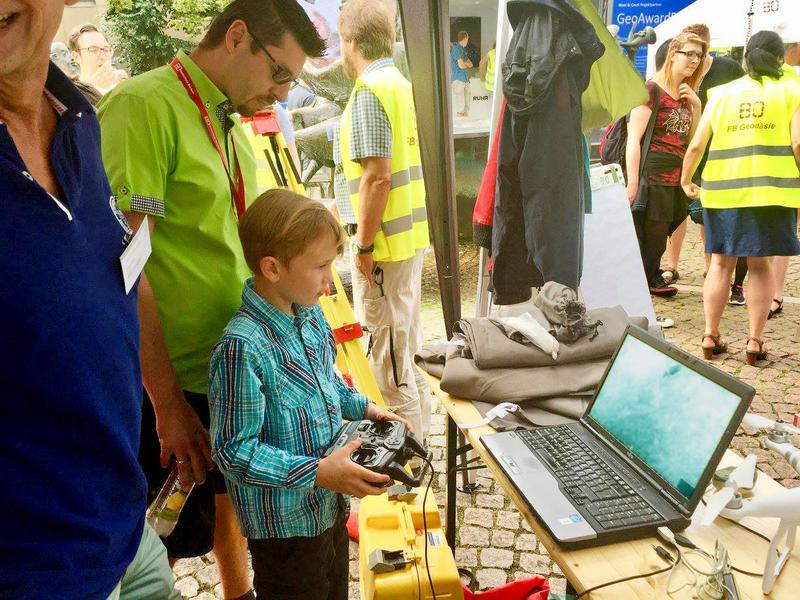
column 404, row 225
column 488, row 83
column 788, row 70
column 750, row 161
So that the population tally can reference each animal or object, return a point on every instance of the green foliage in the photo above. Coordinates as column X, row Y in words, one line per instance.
column 147, row 33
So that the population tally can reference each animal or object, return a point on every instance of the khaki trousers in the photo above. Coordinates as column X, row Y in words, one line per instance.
column 461, row 96
column 390, row 314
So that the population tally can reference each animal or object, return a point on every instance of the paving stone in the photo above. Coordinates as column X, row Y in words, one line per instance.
column 557, row 586
column 526, row 541
column 534, row 563
column 490, row 500
column 208, row 576
column 507, row 519
column 490, row 578
column 479, row 516
column 502, row 538
column 206, row 596
column 188, row 587
column 466, row 557
column 473, row 536
column 187, row 566
column 496, row 557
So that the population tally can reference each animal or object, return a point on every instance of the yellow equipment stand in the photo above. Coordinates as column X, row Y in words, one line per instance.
column 383, row 524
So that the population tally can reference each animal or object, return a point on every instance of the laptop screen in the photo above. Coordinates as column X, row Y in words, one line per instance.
column 667, row 414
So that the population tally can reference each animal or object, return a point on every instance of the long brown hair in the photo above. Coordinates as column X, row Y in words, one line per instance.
column 678, row 42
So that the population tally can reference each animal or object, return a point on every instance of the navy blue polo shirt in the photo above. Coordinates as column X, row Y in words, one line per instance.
column 73, row 496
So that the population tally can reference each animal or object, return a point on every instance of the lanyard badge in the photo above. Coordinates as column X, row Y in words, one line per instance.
column 237, row 185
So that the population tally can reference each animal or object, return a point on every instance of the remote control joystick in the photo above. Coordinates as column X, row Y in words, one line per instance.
column 387, row 447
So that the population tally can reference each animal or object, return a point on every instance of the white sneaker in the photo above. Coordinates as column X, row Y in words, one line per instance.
column 664, row 322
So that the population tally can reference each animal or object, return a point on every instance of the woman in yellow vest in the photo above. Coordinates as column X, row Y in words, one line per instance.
column 486, row 69
column 751, row 185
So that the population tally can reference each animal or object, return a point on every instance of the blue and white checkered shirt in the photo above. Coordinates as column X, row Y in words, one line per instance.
column 276, row 403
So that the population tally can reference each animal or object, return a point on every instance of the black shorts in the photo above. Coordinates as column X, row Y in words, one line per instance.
column 194, row 533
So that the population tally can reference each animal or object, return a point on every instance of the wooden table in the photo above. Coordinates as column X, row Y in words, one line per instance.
column 589, row 567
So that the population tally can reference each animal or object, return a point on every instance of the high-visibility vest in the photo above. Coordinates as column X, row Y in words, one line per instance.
column 789, row 71
column 404, row 224
column 750, row 161
column 488, row 83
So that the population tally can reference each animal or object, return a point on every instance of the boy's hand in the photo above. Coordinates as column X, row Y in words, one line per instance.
column 339, row 473
column 376, row 413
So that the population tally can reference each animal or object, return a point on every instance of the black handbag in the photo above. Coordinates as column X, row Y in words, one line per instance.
column 640, row 203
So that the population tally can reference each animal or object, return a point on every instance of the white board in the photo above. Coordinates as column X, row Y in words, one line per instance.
column 612, row 265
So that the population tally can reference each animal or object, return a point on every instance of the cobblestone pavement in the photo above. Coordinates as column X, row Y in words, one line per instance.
column 493, row 541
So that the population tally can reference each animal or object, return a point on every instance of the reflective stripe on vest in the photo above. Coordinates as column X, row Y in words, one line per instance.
column 404, row 223
column 489, row 81
column 750, row 161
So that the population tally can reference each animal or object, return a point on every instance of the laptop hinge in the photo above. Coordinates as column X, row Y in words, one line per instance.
column 628, row 462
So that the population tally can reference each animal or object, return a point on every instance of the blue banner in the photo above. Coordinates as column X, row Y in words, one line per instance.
column 648, row 13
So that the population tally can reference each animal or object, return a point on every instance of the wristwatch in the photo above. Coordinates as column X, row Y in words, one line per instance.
column 363, row 249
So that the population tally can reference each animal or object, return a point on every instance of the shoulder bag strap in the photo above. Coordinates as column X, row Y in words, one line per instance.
column 648, row 136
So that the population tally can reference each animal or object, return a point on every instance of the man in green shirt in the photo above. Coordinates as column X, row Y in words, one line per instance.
column 176, row 153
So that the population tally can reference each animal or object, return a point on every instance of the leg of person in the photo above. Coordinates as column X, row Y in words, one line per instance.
column 673, row 254
column 467, row 98
column 737, row 288
column 339, row 574
column 458, row 97
column 415, row 345
column 296, row 568
column 230, row 550
column 387, row 334
column 655, row 242
column 780, row 264
column 216, row 525
column 759, row 295
column 706, row 255
column 149, row 575
column 715, row 295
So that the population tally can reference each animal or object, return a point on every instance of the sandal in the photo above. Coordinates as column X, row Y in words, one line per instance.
column 776, row 311
column 670, row 275
column 719, row 346
column 753, row 356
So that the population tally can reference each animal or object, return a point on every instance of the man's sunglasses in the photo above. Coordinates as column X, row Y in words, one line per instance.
column 280, row 74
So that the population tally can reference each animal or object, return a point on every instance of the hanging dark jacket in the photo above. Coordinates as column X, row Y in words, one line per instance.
column 537, row 233
column 547, row 34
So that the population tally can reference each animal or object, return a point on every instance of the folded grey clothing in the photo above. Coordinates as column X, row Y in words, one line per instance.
column 493, row 344
column 462, row 378
column 431, row 358
column 544, row 412
column 567, row 314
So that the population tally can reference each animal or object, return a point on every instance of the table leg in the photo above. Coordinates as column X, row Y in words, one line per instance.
column 450, row 512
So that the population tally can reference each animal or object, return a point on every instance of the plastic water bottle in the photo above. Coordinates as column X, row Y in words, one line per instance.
column 163, row 512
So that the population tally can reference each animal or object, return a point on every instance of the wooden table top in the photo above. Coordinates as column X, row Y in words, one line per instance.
column 593, row 566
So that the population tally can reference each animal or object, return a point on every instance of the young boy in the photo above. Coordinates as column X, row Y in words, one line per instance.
column 276, row 403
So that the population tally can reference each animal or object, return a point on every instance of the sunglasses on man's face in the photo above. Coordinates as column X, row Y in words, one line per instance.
column 280, row 74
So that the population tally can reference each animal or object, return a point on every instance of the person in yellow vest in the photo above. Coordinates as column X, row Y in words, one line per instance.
column 750, row 188
column 486, row 68
column 380, row 161
column 780, row 264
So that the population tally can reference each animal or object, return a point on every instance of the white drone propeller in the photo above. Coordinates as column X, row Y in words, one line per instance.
column 742, row 477
column 759, row 422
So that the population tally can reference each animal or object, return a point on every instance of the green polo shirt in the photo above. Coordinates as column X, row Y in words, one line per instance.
column 160, row 161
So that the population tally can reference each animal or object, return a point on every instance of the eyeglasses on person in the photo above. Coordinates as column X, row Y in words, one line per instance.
column 280, row 74
column 691, row 54
column 95, row 50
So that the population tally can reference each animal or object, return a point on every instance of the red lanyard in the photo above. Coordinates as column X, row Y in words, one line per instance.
column 237, row 187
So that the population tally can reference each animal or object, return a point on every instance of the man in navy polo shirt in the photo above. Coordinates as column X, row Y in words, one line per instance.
column 73, row 500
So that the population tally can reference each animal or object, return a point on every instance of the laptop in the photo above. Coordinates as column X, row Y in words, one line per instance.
column 641, row 456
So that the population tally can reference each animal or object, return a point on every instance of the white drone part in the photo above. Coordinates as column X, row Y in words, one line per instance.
column 742, row 477
column 759, row 422
column 787, row 451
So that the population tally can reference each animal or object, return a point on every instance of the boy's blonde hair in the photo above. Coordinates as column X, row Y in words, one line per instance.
column 282, row 224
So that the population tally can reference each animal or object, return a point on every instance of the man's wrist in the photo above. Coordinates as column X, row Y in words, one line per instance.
column 360, row 248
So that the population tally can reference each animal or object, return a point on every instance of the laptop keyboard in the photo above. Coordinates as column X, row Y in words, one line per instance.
column 587, row 480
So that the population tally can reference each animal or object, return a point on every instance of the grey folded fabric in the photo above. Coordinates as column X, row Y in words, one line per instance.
column 567, row 314
column 462, row 378
column 431, row 358
column 489, row 343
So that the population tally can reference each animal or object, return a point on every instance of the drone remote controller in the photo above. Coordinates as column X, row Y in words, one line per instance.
column 387, row 447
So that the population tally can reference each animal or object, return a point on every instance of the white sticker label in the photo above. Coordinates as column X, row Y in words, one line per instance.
column 135, row 256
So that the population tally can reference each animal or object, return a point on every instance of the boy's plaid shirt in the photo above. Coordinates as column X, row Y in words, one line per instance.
column 276, row 403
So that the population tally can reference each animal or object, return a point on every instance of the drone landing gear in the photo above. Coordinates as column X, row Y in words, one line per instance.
column 778, row 555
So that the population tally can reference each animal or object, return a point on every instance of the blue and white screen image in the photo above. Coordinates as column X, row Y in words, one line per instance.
column 670, row 416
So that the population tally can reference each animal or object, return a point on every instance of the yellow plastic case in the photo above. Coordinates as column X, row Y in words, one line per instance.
column 396, row 525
